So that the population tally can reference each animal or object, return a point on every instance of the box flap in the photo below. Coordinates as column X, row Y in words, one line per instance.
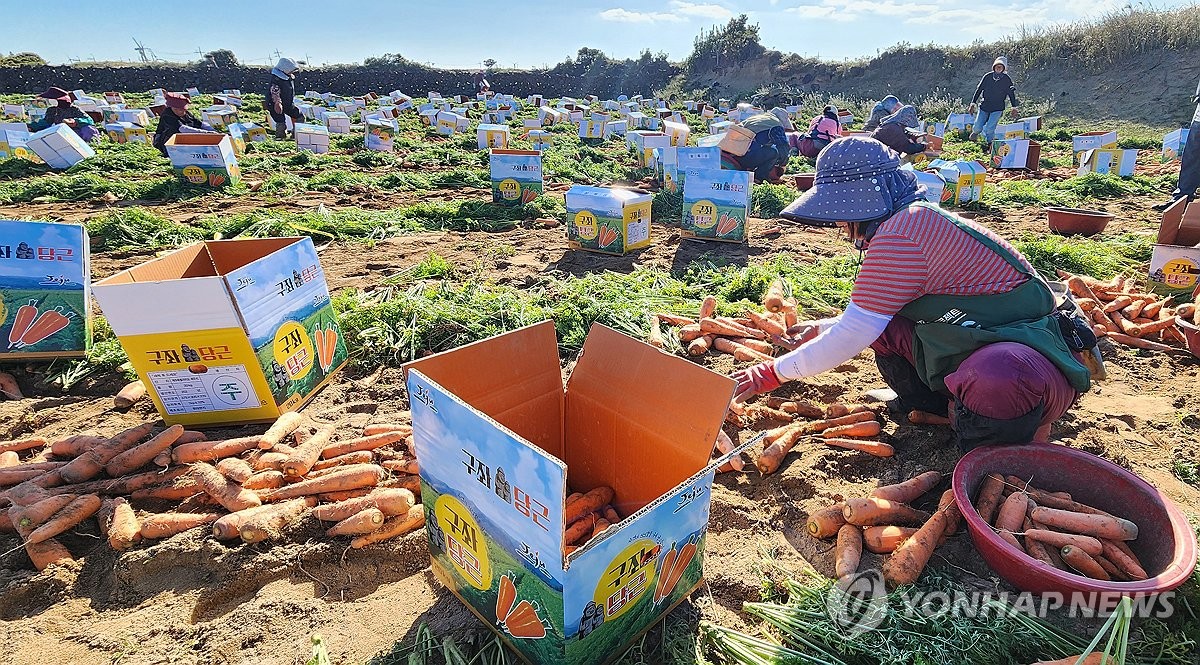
column 514, row 378
column 195, row 139
column 1189, row 226
column 639, row 420
column 229, row 255
column 1168, row 230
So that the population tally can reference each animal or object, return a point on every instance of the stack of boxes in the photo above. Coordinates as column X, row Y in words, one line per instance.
column 313, row 138
column 59, row 146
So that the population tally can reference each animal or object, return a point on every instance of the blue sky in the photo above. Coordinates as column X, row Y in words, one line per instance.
column 523, row 33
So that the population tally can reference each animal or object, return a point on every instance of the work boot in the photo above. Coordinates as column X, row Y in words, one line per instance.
column 281, row 130
column 972, row 137
column 972, row 430
column 913, row 394
column 1160, row 207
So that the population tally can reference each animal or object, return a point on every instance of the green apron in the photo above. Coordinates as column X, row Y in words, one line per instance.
column 949, row 328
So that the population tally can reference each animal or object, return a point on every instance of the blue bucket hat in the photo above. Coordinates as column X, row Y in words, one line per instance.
column 858, row 180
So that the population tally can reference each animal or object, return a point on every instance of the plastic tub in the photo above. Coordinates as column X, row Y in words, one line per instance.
column 1076, row 221
column 804, row 181
column 1166, row 543
column 1191, row 335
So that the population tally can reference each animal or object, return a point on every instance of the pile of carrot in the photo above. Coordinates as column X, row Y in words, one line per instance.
column 1128, row 316
column 148, row 484
column 853, row 427
column 1059, row 531
column 587, row 515
column 884, row 522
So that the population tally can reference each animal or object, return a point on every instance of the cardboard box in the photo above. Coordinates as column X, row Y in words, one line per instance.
column 1173, row 145
column 673, row 164
column 964, row 180
column 15, row 112
column 1092, row 141
column 614, row 128
column 227, row 331
column 247, row 132
column 678, row 132
column 220, row 117
column 313, row 138
column 548, row 116
column 448, row 123
column 1114, row 161
column 337, row 122
column 14, row 144
column 288, row 123
column 59, row 146
column 960, row 122
column 541, row 139
column 593, row 126
column 1016, row 154
column 607, row 220
column 644, row 142
column 381, row 134
column 45, row 290
column 137, row 117
column 126, row 132
column 1175, row 260
column 492, row 136
column 1011, row 130
column 716, row 204
column 204, row 159
column 1032, row 123
column 522, row 437
column 934, row 186
column 516, row 176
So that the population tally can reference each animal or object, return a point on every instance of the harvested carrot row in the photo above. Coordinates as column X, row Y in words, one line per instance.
column 27, row 518
column 303, row 456
column 909, row 490
column 228, row 527
column 140, row 455
column 14, row 475
column 165, row 525
column 75, row 512
column 874, row 448
column 343, row 478
column 175, row 490
column 207, row 451
column 396, row 526
column 1083, row 563
column 863, row 429
column 766, row 324
column 133, row 483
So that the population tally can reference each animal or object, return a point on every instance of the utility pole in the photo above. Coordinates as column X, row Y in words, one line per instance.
column 140, row 49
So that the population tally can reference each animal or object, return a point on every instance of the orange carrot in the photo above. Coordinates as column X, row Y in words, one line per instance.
column 303, row 456
column 848, row 419
column 589, row 503
column 165, row 525
column 1127, row 564
column 77, row 511
column 23, row 444
column 1012, row 512
column 343, row 478
column 9, row 458
column 381, row 428
column 362, row 443
column 174, row 490
column 1099, row 526
column 667, row 563
column 131, row 393
column 46, row 553
column 849, row 550
column 679, row 567
column 881, row 512
column 14, row 475
column 228, row 527
column 601, row 525
column 269, row 460
column 909, row 490
column 802, row 408
column 1083, row 563
column 1011, row 539
column 283, row 426
column 9, row 388
column 610, row 514
column 700, row 345
column 141, row 454
column 228, row 493
column 675, row 320
column 358, row 524
column 863, row 429
column 1095, row 658
column 1139, row 343
column 1036, row 548
column 357, row 457
column 207, row 451
column 397, row 526
column 408, row 466
column 27, row 518
column 130, row 484
column 1120, row 302
column 655, row 337
column 91, row 463
column 944, row 503
column 505, row 596
column 826, row 522
column 235, row 469
column 738, row 351
column 790, row 316
column 766, row 324
column 690, row 332
column 389, row 501
column 780, row 442
column 727, row 328
column 74, row 446
column 580, row 529
column 923, row 418
column 1059, row 540
column 725, row 445
column 874, row 448
column 119, row 524
column 911, row 556
column 708, row 307
column 760, row 412
column 775, row 297
column 269, row 524
column 268, row 479
column 885, row 539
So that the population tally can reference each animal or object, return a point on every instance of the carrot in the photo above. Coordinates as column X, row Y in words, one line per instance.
column 397, row 526
column 26, row 519
column 141, row 454
column 175, row 490
column 708, row 307
column 358, row 524
column 1095, row 658
column 678, row 567
column 817, row 426
column 780, row 442
column 727, row 328
column 235, row 469
column 881, row 512
column 1134, row 309
column 1186, row 310
column 1099, row 526
column 601, row 525
column 1012, row 512
column 1155, row 308
column 590, row 502
column 343, row 478
column 767, row 324
column 775, row 297
column 410, row 483
column 9, row 458
column 849, row 550
column 739, row 351
column 14, row 475
column 700, row 345
column 408, row 466
column 302, row 458
column 1008, row 537
column 911, row 556
column 790, row 316
column 923, row 418
column 362, row 443
column 863, row 429
column 909, row 490
column 74, row 446
column 1036, row 548
column 270, row 460
column 380, row 428
column 579, row 530
column 885, row 539
column 131, row 393
column 22, row 444
column 668, row 562
column 389, row 502
column 1127, row 564
column 1120, row 302
column 207, row 451
column 165, row 525
column 227, row 493
column 1157, row 326
column 130, row 484
column 690, row 332
column 284, row 425
column 1080, row 288
column 759, row 412
column 269, row 524
column 947, row 499
column 119, row 524
column 654, row 326
column 1111, row 568
column 802, row 408
column 77, row 511
column 1059, row 540
column 1139, row 343
column 724, row 446
column 826, row 522
column 1100, row 318
column 190, row 436
column 675, row 320
column 1128, row 327
column 8, row 387
column 91, row 463
column 874, row 448
column 1083, row 563
column 358, row 457
column 47, row 552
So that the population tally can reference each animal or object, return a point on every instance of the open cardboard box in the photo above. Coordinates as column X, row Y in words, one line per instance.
column 498, row 437
column 1175, row 261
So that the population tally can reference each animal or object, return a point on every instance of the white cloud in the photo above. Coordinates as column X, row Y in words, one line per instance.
column 710, row 11
column 676, row 11
column 621, row 15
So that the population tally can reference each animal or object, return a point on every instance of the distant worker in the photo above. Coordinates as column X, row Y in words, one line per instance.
column 1189, row 161
column 822, row 130
column 882, row 109
column 174, row 119
column 64, row 113
column 481, row 83
column 896, row 131
column 769, row 153
column 994, row 88
column 280, row 100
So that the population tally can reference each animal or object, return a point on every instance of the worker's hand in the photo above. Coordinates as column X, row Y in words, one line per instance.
column 70, row 122
column 971, row 109
column 755, row 380
column 279, row 108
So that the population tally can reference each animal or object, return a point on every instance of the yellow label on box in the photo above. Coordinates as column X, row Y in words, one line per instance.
column 627, row 578
column 293, row 350
column 465, row 543
column 585, row 225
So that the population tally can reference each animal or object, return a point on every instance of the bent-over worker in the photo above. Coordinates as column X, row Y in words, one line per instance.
column 894, row 131
column 174, row 119
column 65, row 113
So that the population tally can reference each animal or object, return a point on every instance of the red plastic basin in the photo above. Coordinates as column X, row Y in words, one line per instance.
column 1076, row 221
column 804, row 181
column 1191, row 335
column 1166, row 543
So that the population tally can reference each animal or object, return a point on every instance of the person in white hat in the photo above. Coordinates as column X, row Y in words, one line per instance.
column 995, row 88
column 280, row 100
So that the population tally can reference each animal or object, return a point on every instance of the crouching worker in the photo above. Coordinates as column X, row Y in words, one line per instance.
column 280, row 100
column 896, row 131
column 174, row 120
column 769, row 153
column 960, row 323
column 64, row 113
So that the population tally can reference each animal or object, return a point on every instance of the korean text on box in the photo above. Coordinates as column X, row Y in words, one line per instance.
column 716, row 204
column 516, row 176
column 45, row 290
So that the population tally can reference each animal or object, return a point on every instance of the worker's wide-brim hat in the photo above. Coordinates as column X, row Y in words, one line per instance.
column 57, row 94
column 847, row 187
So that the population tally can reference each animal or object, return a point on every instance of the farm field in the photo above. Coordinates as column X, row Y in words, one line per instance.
column 419, row 260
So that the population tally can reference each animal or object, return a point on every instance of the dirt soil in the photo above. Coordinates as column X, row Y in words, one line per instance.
column 189, row 599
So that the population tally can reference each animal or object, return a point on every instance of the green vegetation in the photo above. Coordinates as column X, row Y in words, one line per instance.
column 1102, row 257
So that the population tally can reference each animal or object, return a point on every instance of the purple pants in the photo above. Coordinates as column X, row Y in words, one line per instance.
column 1004, row 380
column 87, row 132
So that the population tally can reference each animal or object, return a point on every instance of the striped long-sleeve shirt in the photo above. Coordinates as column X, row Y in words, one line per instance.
column 921, row 252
